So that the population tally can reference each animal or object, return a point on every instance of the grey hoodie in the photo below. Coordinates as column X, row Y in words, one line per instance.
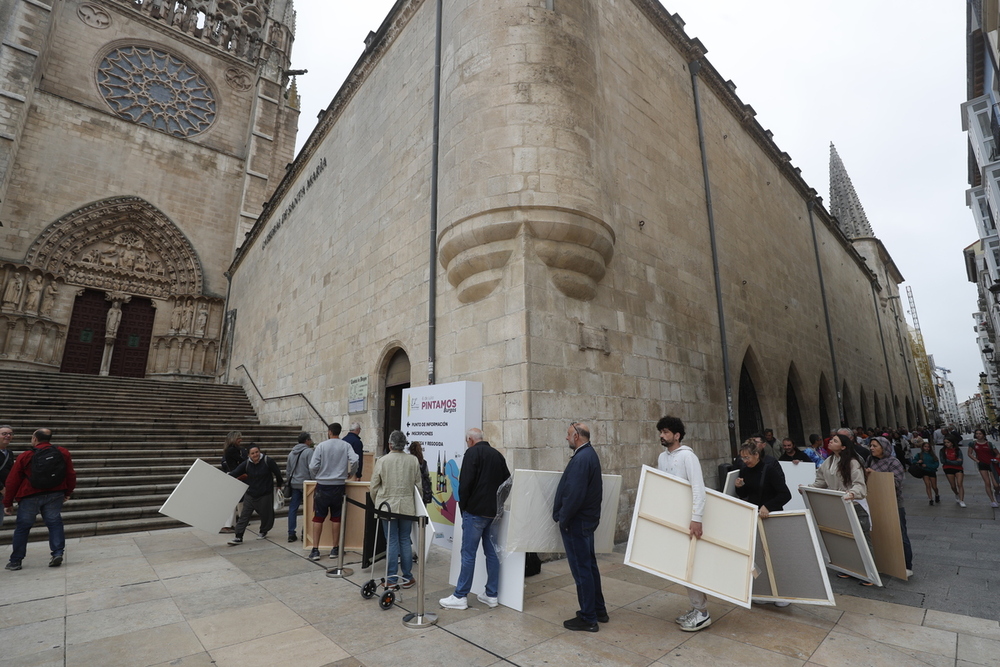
column 332, row 461
column 298, row 464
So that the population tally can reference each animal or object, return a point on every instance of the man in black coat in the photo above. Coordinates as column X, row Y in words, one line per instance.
column 577, row 509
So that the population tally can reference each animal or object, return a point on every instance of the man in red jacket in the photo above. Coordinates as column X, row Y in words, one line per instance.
column 39, row 487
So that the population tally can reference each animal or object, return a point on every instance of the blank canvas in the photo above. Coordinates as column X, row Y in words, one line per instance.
column 802, row 474
column 204, row 498
column 841, row 537
column 790, row 561
column 510, row 589
column 532, row 497
column 718, row 564
column 887, row 535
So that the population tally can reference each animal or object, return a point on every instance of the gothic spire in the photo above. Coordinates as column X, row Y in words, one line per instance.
column 844, row 201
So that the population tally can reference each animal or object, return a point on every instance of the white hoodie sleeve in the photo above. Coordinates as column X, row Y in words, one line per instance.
column 697, row 479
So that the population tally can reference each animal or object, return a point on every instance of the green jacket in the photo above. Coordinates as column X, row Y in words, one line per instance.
column 393, row 480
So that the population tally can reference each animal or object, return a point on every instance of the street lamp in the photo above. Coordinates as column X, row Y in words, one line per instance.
column 988, row 351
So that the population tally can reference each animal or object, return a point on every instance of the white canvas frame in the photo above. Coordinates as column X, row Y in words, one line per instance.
column 718, row 564
column 781, row 580
column 531, row 500
column 510, row 588
column 832, row 533
column 802, row 474
column 204, row 498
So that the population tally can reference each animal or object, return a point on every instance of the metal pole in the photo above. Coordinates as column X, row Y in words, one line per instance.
column 420, row 619
column 340, row 570
column 435, row 148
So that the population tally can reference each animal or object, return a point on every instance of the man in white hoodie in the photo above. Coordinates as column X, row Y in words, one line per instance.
column 681, row 461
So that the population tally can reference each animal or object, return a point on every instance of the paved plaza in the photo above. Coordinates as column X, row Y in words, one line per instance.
column 183, row 597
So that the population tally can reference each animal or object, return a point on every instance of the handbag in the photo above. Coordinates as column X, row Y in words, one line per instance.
column 916, row 470
column 286, row 490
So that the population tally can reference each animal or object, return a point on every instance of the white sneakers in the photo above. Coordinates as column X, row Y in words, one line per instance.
column 695, row 621
column 909, row 573
column 452, row 602
column 488, row 601
column 961, row 504
column 782, row 604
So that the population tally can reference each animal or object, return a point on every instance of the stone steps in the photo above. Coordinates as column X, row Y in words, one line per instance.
column 132, row 440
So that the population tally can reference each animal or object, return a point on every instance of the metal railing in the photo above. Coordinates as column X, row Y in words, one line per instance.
column 278, row 398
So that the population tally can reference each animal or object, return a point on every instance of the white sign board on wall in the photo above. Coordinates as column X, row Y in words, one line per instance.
column 438, row 416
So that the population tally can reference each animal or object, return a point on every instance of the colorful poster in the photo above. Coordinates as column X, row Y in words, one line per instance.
column 437, row 416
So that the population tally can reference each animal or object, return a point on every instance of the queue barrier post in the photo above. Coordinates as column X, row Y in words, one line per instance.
column 420, row 619
column 340, row 571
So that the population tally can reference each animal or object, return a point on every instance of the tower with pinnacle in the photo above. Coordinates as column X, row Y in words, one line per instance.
column 845, row 204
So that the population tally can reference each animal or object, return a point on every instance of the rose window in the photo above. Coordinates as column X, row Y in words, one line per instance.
column 156, row 89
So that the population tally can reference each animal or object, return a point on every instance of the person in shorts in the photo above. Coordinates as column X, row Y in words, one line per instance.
column 331, row 464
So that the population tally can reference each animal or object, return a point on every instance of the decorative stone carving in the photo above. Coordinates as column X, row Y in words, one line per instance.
column 576, row 247
column 238, row 79
column 113, row 320
column 201, row 322
column 93, row 16
column 34, row 295
column 122, row 244
column 49, row 299
column 12, row 295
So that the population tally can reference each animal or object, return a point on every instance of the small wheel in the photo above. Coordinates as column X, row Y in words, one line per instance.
column 368, row 590
column 387, row 599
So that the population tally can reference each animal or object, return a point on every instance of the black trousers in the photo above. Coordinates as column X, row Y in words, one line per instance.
column 264, row 506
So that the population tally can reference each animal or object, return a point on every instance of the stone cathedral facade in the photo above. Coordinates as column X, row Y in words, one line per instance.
column 139, row 140
column 574, row 247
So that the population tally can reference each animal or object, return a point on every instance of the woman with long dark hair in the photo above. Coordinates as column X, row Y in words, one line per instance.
column 953, row 463
column 843, row 471
column 233, row 455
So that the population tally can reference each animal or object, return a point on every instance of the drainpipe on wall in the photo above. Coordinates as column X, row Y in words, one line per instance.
column 435, row 149
column 695, row 66
column 826, row 315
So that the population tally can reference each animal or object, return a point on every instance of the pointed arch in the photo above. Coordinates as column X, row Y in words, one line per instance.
column 863, row 404
column 825, row 425
column 895, row 411
column 121, row 244
column 880, row 421
column 910, row 422
column 848, row 417
column 792, row 411
column 750, row 418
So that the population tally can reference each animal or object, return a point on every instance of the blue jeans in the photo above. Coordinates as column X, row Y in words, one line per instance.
column 293, row 509
column 398, row 548
column 50, row 505
column 476, row 529
column 578, row 538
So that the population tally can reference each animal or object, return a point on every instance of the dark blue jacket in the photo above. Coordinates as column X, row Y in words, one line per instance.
column 354, row 440
column 580, row 490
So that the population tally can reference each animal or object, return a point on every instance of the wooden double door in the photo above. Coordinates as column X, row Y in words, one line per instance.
column 85, row 339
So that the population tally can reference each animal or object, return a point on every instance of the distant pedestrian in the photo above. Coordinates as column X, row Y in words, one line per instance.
column 577, row 510
column 257, row 471
column 884, row 461
column 926, row 461
column 41, row 480
column 984, row 454
column 353, row 438
column 297, row 469
column 6, row 455
column 952, row 462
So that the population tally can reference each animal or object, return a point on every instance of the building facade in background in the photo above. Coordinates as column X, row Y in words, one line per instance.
column 981, row 121
column 575, row 251
column 138, row 144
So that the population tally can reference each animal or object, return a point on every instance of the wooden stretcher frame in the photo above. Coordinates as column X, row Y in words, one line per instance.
column 660, row 543
column 531, row 527
column 815, row 568
column 354, row 526
column 887, row 535
column 833, row 533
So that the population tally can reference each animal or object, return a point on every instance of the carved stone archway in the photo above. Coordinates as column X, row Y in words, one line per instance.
column 122, row 244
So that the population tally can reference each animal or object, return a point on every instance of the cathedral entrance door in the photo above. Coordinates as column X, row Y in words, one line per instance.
column 132, row 341
column 85, row 338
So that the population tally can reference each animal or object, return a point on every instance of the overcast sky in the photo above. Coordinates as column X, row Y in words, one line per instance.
column 881, row 80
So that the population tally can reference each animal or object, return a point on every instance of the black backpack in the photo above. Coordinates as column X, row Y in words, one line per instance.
column 48, row 467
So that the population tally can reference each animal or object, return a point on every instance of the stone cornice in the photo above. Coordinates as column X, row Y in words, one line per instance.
column 376, row 47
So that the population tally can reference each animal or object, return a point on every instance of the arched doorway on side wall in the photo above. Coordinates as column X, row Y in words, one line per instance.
column 824, row 412
column 795, row 430
column 751, row 420
column 848, row 417
column 864, row 410
column 910, row 422
column 132, row 340
column 397, row 378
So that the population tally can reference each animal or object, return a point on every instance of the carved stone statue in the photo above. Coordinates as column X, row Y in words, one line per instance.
column 34, row 295
column 48, row 300
column 114, row 319
column 12, row 295
column 202, row 321
column 176, row 317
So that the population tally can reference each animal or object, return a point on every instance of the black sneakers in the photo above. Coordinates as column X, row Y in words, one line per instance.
column 235, row 541
column 577, row 624
column 13, row 566
column 56, row 561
